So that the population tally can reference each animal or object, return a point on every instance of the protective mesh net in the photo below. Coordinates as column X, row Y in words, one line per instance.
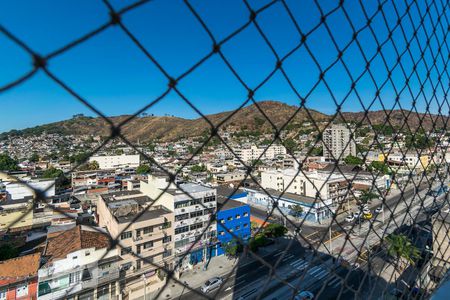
column 393, row 59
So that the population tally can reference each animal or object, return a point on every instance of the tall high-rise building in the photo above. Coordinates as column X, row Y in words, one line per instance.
column 337, row 143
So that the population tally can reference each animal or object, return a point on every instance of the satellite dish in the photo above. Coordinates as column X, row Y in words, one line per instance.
column 231, row 185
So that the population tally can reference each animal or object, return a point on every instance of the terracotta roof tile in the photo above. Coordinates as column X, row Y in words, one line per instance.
column 18, row 268
column 60, row 245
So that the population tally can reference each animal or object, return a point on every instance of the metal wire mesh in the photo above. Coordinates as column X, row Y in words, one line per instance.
column 409, row 46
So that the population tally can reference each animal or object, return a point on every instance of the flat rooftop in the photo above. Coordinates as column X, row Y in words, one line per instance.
column 190, row 188
column 151, row 213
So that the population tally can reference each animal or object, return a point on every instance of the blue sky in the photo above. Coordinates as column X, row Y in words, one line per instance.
column 115, row 76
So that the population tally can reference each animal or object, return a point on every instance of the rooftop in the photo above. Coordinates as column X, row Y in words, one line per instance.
column 60, row 245
column 190, row 188
column 19, row 268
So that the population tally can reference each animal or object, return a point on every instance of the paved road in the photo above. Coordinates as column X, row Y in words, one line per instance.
column 248, row 279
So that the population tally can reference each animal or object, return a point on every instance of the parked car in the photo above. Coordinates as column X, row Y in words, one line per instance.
column 350, row 218
column 366, row 211
column 379, row 209
column 211, row 284
column 304, row 295
column 368, row 216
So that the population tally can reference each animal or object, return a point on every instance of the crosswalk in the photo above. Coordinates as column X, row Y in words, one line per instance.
column 299, row 264
column 323, row 274
column 319, row 272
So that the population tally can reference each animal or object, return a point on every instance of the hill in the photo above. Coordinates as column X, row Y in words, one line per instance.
column 248, row 118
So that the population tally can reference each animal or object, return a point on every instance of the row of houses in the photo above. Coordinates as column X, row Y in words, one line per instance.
column 163, row 226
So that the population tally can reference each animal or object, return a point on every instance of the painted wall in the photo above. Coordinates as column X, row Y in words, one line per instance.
column 236, row 219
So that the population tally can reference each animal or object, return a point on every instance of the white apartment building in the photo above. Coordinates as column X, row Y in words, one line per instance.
column 192, row 216
column 333, row 187
column 77, row 263
column 16, row 190
column 117, row 161
column 253, row 152
column 337, row 142
column 411, row 161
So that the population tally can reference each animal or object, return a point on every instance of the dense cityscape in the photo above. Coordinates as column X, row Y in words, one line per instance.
column 294, row 199
column 229, row 150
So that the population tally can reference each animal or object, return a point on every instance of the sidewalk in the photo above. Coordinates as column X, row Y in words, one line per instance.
column 218, row 266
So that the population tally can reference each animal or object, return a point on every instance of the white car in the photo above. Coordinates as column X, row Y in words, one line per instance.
column 350, row 218
column 357, row 214
column 379, row 209
column 304, row 295
column 366, row 211
column 211, row 284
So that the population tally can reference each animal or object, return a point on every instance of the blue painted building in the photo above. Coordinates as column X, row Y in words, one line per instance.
column 234, row 216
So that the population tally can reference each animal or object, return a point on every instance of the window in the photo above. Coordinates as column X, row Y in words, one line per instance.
column 221, row 221
column 196, row 226
column 138, row 264
column 167, row 239
column 238, row 227
column 245, row 225
column 182, row 204
column 148, row 229
column 167, row 253
column 209, row 199
column 245, row 214
column 230, row 218
column 22, row 290
column 196, row 201
column 147, row 245
column 196, row 214
column 87, row 253
column 237, row 217
column 74, row 277
column 125, row 250
column 182, row 217
column 125, row 235
column 181, row 229
column 222, row 232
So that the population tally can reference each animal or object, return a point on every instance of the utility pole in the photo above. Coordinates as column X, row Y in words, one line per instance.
column 331, row 245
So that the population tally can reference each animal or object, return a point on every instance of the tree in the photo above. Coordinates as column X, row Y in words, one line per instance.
column 7, row 163
column 34, row 157
column 258, row 240
column 290, row 145
column 79, row 158
column 379, row 166
column 353, row 160
column 275, row 230
column 198, row 168
column 52, row 173
column 93, row 165
column 316, row 151
column 297, row 210
column 232, row 248
column 366, row 196
column 400, row 247
column 143, row 169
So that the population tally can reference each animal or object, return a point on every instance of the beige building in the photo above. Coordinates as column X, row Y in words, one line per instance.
column 337, row 143
column 144, row 231
column 194, row 206
column 332, row 187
